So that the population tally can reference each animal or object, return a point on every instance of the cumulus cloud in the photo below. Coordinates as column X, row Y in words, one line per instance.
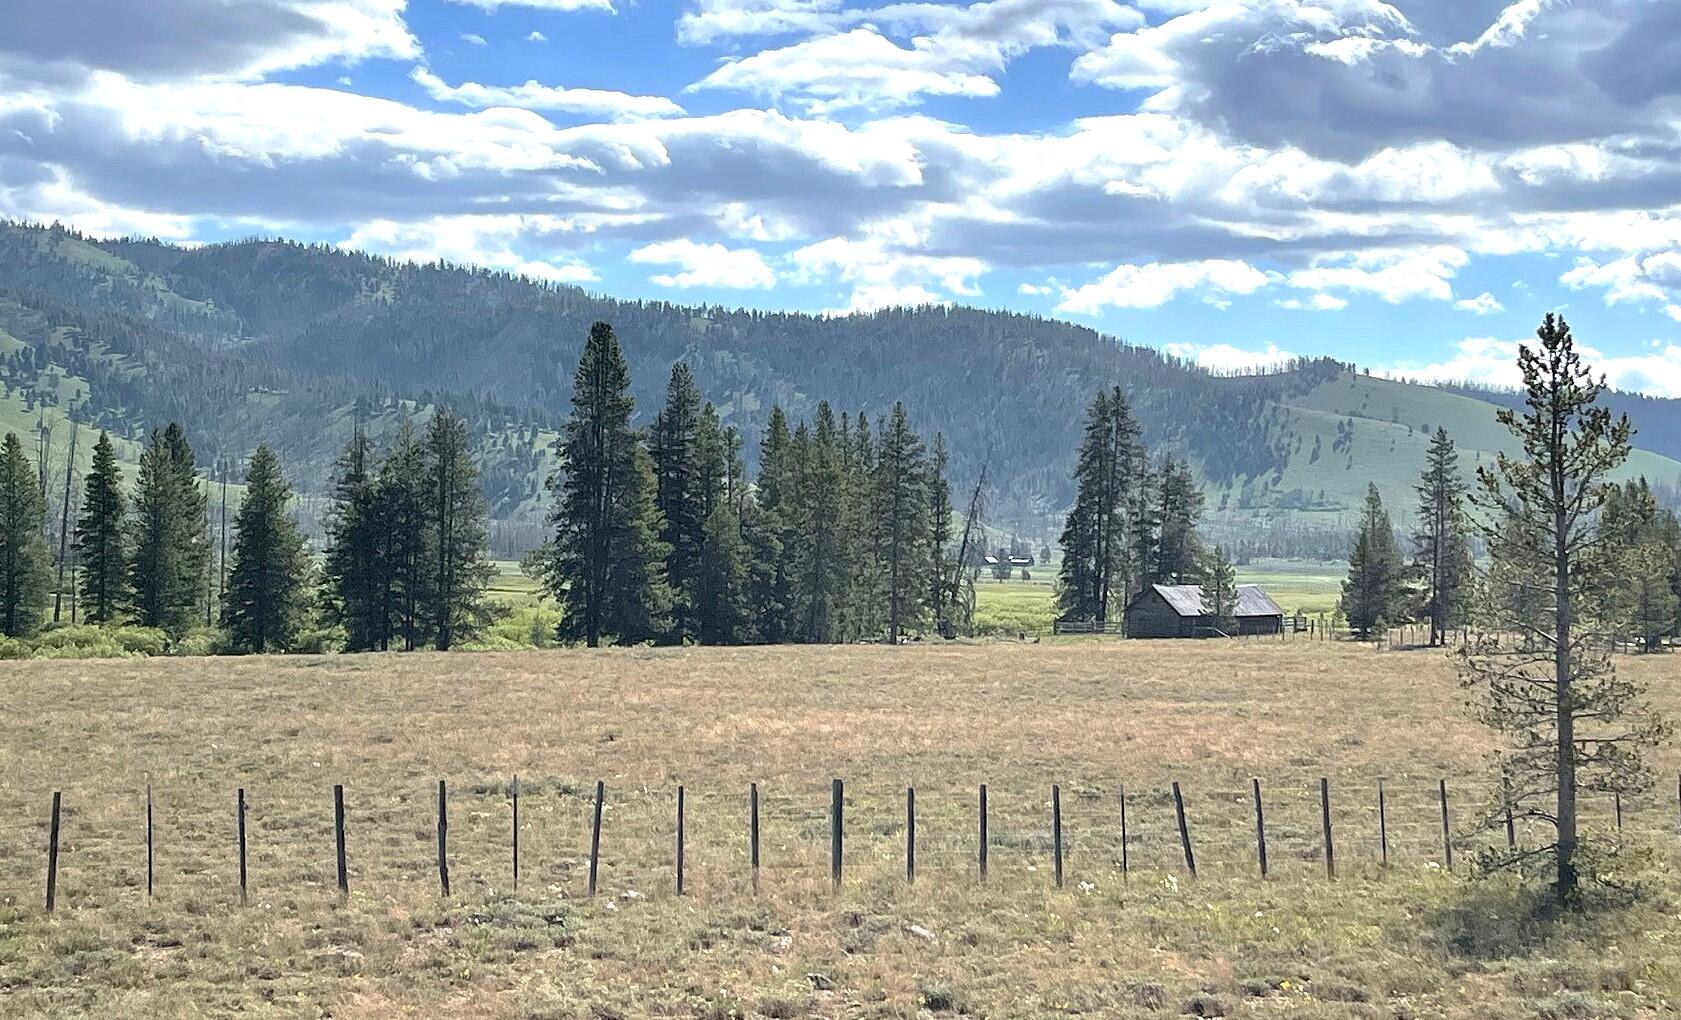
column 707, row 265
column 859, row 68
column 1154, row 284
column 545, row 5
column 1316, row 303
column 1226, row 359
column 499, row 242
column 1483, row 304
column 883, row 275
column 1656, row 371
column 535, row 96
column 1393, row 275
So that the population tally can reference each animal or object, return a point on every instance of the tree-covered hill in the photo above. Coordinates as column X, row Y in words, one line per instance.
column 291, row 345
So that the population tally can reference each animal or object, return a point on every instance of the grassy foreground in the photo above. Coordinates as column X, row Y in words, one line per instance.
column 1412, row 941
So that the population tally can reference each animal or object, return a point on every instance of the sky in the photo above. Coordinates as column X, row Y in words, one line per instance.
column 1407, row 186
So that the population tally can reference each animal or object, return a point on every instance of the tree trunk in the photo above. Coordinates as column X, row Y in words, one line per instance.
column 1566, row 717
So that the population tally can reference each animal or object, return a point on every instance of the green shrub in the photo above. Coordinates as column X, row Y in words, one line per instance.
column 202, row 641
column 319, row 640
column 12, row 648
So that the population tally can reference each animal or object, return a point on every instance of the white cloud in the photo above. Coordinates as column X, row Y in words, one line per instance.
column 1494, row 362
column 1226, row 359
column 883, row 275
column 1634, row 278
column 1316, row 303
column 1154, row 284
column 859, row 68
column 1483, row 304
column 707, row 265
column 474, row 38
column 498, row 242
column 535, row 96
column 1394, row 275
column 536, row 37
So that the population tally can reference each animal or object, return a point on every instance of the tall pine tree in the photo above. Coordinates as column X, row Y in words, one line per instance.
column 902, row 485
column 1373, row 593
column 456, row 515
column 403, row 501
column 169, row 535
column 355, row 572
column 267, row 589
column 606, row 569
column 25, row 566
column 100, row 539
column 1441, row 555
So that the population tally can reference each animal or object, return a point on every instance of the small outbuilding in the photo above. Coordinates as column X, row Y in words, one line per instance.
column 1177, row 611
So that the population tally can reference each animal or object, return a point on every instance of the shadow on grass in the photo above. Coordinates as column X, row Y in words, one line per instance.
column 1502, row 918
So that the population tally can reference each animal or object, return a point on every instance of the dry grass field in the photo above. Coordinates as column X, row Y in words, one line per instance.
column 1092, row 716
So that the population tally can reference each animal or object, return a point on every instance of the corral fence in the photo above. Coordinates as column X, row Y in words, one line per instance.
column 1250, row 830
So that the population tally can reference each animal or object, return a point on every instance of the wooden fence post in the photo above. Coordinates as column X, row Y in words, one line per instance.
column 837, row 813
column 753, row 831
column 52, row 857
column 1325, row 823
column 679, row 839
column 983, row 833
column 595, row 835
column 515, row 791
column 443, row 838
column 1056, row 830
column 1126, row 875
column 338, row 839
column 241, row 827
column 1447, row 835
column 1382, row 825
column 1260, row 829
column 1506, row 803
column 148, row 840
column 910, row 834
column 1184, row 830
column 1617, row 801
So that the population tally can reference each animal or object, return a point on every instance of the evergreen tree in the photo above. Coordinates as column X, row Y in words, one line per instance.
column 862, row 605
column 721, row 586
column 1372, row 594
column 100, row 551
column 607, row 569
column 768, row 532
column 1644, row 538
column 266, row 581
column 25, row 566
column 1178, row 550
column 402, row 512
column 819, row 567
column 1572, row 722
column 1096, row 544
column 940, row 595
column 1144, row 527
column 169, row 540
column 674, row 444
column 456, row 518
column 355, row 571
column 902, row 484
column 1441, row 555
column 1219, row 591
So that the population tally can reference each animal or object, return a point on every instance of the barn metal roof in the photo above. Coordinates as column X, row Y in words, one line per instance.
column 1186, row 600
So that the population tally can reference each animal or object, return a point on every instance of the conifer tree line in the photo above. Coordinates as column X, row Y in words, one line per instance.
column 1133, row 523
column 844, row 535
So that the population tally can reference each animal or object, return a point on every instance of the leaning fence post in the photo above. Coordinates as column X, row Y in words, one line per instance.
column 515, row 791
column 1184, row 830
column 836, row 821
column 679, row 839
column 1125, row 873
column 1506, row 804
column 241, row 828
column 338, row 837
column 1617, row 800
column 148, row 840
column 910, row 834
column 1325, row 823
column 595, row 834
column 983, row 833
column 1260, row 829
column 443, row 838
column 52, row 857
column 753, row 831
column 1056, row 830
column 1382, row 825
column 1447, row 836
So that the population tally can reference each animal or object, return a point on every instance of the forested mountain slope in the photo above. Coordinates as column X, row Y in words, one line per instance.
column 291, row 344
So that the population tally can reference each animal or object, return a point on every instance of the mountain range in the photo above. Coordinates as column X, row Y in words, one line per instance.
column 293, row 345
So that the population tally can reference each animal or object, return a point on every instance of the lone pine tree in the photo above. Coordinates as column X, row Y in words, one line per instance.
column 1570, row 721
column 267, row 580
column 1373, row 592
column 1441, row 554
column 100, row 536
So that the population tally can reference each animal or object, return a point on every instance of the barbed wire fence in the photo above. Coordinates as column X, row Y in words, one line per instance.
column 564, row 837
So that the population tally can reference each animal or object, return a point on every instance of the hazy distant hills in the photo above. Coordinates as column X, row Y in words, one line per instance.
column 289, row 344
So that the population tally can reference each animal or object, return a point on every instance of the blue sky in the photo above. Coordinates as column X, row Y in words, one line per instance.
column 1405, row 185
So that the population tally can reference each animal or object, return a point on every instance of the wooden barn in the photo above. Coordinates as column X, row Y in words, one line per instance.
column 1177, row 611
